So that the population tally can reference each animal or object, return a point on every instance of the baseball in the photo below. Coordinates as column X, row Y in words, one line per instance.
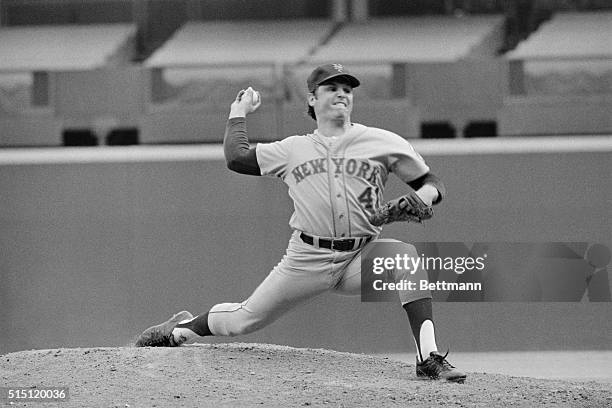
column 256, row 97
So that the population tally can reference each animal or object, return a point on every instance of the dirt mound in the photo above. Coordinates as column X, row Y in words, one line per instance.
column 242, row 374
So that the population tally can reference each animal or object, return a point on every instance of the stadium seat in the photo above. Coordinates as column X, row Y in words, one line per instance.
column 79, row 137
column 122, row 137
column 437, row 130
column 483, row 128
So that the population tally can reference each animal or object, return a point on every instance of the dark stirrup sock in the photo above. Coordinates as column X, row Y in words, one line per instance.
column 198, row 325
column 419, row 311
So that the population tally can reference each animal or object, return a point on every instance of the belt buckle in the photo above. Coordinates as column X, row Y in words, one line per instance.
column 342, row 244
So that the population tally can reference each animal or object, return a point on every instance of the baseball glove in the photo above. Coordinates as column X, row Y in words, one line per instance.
column 408, row 208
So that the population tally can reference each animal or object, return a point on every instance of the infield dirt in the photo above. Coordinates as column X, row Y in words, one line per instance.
column 262, row 375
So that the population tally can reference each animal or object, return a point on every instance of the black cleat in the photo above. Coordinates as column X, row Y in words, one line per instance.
column 437, row 367
column 161, row 334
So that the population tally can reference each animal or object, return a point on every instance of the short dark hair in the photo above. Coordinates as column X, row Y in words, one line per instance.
column 310, row 109
column 311, row 112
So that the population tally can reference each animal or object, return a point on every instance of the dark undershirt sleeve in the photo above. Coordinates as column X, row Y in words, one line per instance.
column 432, row 179
column 239, row 155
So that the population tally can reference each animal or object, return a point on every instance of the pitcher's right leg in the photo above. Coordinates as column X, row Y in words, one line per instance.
column 302, row 274
column 276, row 295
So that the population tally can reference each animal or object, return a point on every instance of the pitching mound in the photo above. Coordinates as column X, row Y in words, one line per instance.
column 240, row 374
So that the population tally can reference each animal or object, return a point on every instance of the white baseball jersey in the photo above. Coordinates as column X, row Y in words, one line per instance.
column 337, row 182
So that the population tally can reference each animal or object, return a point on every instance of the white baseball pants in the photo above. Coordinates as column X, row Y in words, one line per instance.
column 303, row 273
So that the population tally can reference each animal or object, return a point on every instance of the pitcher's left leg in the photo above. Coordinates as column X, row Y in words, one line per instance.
column 415, row 301
column 417, row 304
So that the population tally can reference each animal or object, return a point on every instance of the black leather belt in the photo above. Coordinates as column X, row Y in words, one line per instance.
column 347, row 244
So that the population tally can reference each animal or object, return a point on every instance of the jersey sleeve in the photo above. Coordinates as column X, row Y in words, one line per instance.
column 405, row 162
column 273, row 158
column 408, row 167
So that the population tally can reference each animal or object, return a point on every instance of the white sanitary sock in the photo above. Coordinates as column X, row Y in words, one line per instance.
column 427, row 339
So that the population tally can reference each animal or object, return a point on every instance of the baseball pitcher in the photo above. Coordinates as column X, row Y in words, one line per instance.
column 336, row 176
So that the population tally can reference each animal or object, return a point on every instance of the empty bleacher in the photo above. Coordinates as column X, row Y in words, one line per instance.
column 561, row 78
column 445, row 67
column 413, row 39
column 61, row 48
column 569, row 35
column 198, row 71
column 240, row 43
column 53, row 77
column 418, row 74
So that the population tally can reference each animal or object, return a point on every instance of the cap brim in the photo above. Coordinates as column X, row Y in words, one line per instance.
column 352, row 81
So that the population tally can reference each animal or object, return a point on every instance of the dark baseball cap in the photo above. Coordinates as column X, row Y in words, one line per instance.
column 327, row 72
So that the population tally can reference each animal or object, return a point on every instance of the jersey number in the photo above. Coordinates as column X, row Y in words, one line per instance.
column 368, row 198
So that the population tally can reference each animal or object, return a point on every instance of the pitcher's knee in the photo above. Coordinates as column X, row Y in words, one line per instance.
column 406, row 248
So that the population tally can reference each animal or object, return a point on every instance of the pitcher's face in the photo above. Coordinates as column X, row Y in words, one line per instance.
column 332, row 99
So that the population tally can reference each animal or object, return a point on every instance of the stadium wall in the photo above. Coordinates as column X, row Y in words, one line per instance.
column 33, row 128
column 554, row 115
column 93, row 251
column 459, row 92
column 273, row 121
column 80, row 98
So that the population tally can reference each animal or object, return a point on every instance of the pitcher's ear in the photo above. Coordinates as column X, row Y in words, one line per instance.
column 311, row 98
